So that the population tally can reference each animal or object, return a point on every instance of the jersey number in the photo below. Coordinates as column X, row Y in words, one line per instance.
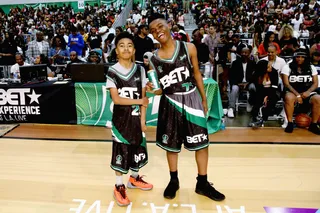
column 135, row 111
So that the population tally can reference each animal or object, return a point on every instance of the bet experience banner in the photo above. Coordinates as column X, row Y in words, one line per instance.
column 39, row 103
column 94, row 105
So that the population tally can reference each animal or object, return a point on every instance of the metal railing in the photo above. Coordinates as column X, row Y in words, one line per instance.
column 5, row 71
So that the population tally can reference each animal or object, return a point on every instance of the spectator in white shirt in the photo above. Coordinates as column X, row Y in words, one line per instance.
column 277, row 62
column 304, row 32
column 15, row 69
column 296, row 23
column 136, row 17
column 105, row 30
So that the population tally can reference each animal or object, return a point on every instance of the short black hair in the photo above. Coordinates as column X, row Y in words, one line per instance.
column 155, row 16
column 142, row 26
column 73, row 29
column 194, row 31
column 122, row 36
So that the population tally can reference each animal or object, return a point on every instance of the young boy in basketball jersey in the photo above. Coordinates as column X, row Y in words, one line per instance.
column 126, row 82
column 181, row 116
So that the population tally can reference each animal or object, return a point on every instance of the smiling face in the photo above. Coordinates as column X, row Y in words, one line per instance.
column 272, row 52
column 125, row 49
column 160, row 30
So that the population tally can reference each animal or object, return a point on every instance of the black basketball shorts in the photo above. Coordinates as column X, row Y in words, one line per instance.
column 181, row 120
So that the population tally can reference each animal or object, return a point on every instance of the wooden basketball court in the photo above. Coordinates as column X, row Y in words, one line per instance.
column 68, row 171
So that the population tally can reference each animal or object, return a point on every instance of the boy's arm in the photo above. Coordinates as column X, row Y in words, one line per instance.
column 197, row 74
column 143, row 112
column 126, row 101
column 149, row 86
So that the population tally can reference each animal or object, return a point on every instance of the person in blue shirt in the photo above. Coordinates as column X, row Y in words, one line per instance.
column 75, row 42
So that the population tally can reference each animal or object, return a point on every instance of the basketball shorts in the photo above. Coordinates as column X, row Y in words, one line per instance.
column 181, row 120
column 127, row 157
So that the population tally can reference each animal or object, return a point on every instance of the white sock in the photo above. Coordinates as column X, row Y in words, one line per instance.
column 134, row 174
column 119, row 180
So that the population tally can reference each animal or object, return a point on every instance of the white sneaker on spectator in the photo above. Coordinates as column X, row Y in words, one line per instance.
column 225, row 111
column 285, row 123
column 249, row 107
column 230, row 113
column 285, row 120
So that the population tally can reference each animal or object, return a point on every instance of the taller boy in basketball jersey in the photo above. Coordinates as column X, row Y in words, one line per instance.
column 126, row 82
column 181, row 117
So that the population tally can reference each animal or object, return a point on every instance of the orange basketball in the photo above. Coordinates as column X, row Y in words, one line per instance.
column 303, row 120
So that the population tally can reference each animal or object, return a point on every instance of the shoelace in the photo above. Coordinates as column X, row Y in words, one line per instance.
column 139, row 178
column 122, row 191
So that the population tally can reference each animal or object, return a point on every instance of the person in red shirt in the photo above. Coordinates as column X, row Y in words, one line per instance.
column 268, row 40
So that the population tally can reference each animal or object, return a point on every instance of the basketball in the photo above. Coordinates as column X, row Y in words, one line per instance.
column 303, row 120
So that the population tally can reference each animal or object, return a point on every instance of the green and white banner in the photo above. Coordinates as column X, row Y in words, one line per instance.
column 77, row 5
column 94, row 105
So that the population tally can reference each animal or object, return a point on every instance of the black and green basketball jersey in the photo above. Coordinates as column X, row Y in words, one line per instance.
column 126, row 126
column 175, row 74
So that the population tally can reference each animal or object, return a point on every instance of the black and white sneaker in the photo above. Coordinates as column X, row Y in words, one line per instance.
column 314, row 128
column 257, row 124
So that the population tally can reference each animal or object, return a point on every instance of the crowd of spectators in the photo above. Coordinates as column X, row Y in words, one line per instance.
column 230, row 36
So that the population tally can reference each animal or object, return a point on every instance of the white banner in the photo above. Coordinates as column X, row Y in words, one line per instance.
column 81, row 4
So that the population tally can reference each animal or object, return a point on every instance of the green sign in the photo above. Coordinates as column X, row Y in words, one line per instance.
column 94, row 105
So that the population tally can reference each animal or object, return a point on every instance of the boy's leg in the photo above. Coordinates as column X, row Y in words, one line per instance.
column 138, row 159
column 173, row 186
column 119, row 179
column 119, row 165
column 203, row 187
column 196, row 139
column 172, row 158
column 169, row 139
column 119, row 192
column 202, row 160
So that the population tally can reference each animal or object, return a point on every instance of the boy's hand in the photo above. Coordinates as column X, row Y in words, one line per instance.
column 149, row 86
column 145, row 101
column 143, row 126
column 205, row 107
